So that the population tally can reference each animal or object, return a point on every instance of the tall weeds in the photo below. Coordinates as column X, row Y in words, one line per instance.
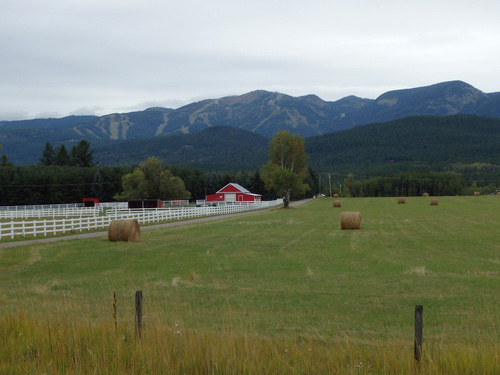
column 53, row 346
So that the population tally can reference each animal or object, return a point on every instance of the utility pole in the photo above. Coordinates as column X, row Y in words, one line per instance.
column 330, row 184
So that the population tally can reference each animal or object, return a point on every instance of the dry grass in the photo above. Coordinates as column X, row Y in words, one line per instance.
column 124, row 230
column 57, row 347
column 350, row 220
column 282, row 292
column 418, row 271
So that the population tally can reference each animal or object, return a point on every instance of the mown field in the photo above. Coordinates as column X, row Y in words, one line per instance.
column 283, row 291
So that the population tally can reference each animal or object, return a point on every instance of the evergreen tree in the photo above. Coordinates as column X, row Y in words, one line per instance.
column 62, row 157
column 312, row 180
column 2, row 193
column 48, row 155
column 81, row 155
column 4, row 162
column 97, row 189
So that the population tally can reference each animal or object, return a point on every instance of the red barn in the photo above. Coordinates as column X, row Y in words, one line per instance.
column 232, row 193
column 145, row 203
column 90, row 202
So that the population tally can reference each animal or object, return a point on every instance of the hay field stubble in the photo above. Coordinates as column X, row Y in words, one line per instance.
column 284, row 276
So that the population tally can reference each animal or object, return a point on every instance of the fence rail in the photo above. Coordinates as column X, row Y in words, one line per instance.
column 79, row 219
column 50, row 212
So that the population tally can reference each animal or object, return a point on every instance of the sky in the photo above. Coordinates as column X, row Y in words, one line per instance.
column 96, row 57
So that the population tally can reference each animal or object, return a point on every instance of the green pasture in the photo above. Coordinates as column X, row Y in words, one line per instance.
column 283, row 275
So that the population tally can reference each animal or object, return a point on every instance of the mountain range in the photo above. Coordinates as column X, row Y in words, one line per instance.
column 258, row 112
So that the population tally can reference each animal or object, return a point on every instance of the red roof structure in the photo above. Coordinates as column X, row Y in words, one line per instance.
column 233, row 193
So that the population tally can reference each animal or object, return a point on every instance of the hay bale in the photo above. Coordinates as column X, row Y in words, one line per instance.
column 337, row 204
column 335, row 195
column 477, row 193
column 401, row 200
column 350, row 220
column 426, row 195
column 434, row 202
column 124, row 230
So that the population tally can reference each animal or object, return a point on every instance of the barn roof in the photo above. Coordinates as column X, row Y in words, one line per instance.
column 236, row 186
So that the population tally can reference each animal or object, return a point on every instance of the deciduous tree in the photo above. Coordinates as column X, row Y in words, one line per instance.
column 152, row 180
column 287, row 168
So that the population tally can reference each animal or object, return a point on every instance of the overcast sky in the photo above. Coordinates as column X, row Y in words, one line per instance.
column 63, row 57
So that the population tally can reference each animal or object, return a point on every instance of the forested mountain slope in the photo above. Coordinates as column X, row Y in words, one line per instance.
column 259, row 112
column 421, row 142
column 221, row 148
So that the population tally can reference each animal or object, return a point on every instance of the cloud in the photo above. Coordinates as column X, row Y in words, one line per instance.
column 104, row 57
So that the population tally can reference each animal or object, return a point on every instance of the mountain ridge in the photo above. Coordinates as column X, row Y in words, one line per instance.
column 259, row 111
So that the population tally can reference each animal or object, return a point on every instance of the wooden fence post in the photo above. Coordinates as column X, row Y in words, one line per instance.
column 115, row 309
column 419, row 311
column 138, row 313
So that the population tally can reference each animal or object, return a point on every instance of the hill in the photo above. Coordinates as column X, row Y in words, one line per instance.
column 259, row 112
column 221, row 148
column 420, row 142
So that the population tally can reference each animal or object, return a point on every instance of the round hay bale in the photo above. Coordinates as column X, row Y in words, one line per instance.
column 401, row 200
column 477, row 193
column 337, row 204
column 335, row 195
column 498, row 192
column 124, row 230
column 426, row 195
column 350, row 220
column 434, row 202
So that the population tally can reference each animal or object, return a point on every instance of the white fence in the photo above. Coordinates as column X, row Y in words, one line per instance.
column 79, row 219
column 54, row 210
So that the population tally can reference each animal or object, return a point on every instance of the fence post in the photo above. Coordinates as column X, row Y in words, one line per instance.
column 115, row 309
column 138, row 313
column 419, row 311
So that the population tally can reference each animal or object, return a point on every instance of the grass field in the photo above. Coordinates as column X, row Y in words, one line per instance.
column 283, row 291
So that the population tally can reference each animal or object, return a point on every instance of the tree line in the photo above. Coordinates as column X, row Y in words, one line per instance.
column 63, row 177
column 406, row 184
column 68, row 177
column 80, row 155
column 30, row 185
